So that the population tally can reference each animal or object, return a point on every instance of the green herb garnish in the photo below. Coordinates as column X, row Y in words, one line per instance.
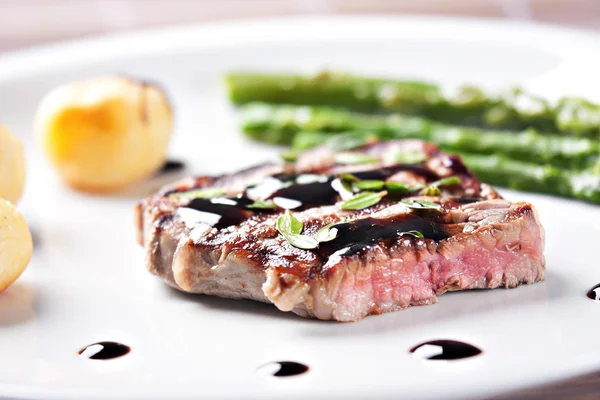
column 369, row 185
column 421, row 205
column 432, row 190
column 203, row 193
column 399, row 188
column 289, row 156
column 348, row 178
column 289, row 224
column 373, row 184
column 302, row 241
column 328, row 232
column 261, row 204
column 363, row 200
column 291, row 228
column 416, row 234
column 354, row 158
column 451, row 180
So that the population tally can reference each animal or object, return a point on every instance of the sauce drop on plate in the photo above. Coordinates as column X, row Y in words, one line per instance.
column 104, row 351
column 171, row 166
column 594, row 293
column 282, row 369
column 444, row 350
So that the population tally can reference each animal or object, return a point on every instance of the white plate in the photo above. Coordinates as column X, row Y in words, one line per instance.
column 87, row 280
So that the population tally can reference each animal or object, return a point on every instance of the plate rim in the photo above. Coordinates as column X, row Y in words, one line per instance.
column 30, row 60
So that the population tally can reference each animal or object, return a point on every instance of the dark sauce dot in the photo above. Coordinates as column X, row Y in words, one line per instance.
column 444, row 350
column 104, row 351
column 282, row 369
column 594, row 293
column 171, row 166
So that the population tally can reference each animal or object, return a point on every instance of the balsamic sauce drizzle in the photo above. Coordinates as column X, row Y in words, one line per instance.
column 104, row 351
column 171, row 166
column 319, row 192
column 230, row 211
column 444, row 350
column 282, row 369
column 302, row 191
column 356, row 236
column 594, row 293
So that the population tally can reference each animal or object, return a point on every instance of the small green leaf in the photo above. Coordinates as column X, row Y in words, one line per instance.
column 290, row 228
column 354, row 158
column 348, row 178
column 421, row 205
column 328, row 232
column 416, row 234
column 203, row 193
column 301, row 241
column 451, row 180
column 261, row 204
column 288, row 224
column 289, row 156
column 363, row 200
column 399, row 188
column 432, row 190
column 369, row 185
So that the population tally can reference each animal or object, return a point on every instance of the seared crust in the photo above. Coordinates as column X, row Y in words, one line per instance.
column 491, row 242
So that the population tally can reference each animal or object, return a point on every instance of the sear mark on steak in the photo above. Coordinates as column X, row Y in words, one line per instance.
column 221, row 247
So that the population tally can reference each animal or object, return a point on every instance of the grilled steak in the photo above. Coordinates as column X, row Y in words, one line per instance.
column 202, row 235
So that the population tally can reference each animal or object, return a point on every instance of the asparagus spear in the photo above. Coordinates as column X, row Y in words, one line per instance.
column 466, row 105
column 519, row 175
column 493, row 169
column 279, row 124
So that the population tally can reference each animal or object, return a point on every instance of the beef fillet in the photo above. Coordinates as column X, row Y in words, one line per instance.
column 203, row 235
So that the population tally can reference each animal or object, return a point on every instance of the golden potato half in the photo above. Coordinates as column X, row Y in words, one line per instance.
column 12, row 166
column 16, row 244
column 105, row 133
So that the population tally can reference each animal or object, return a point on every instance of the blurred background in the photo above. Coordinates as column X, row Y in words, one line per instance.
column 25, row 23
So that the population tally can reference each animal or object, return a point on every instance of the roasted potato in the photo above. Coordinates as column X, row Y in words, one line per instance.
column 16, row 244
column 12, row 166
column 105, row 133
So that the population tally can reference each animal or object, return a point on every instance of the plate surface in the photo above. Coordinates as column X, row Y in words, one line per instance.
column 87, row 280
